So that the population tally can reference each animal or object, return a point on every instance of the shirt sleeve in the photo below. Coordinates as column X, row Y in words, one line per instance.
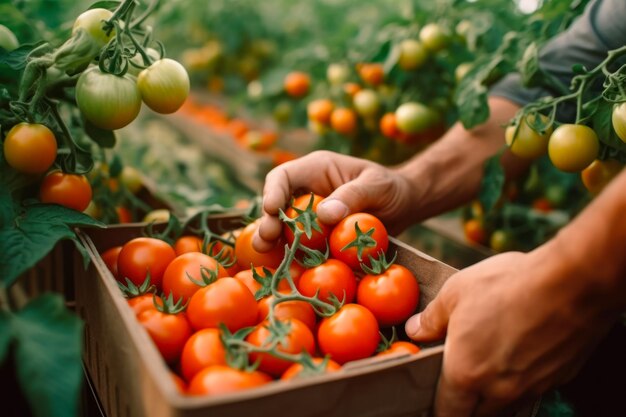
column 601, row 28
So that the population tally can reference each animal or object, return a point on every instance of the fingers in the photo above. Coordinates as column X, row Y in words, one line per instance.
column 452, row 400
column 432, row 323
column 270, row 229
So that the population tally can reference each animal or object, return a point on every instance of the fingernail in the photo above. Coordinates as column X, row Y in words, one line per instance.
column 412, row 326
column 332, row 209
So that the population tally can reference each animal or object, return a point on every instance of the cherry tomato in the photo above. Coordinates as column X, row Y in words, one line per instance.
column 400, row 347
column 131, row 178
column 542, row 204
column 475, row 232
column 178, row 276
column 30, row 148
column 573, row 147
column 142, row 256
column 372, row 73
column 110, row 259
column 169, row 332
column 164, row 85
column 344, row 121
column 433, row 37
column 180, row 385
column 366, row 103
column 413, row 54
column 528, row 143
column 247, row 278
column 204, row 348
column 392, row 296
column 350, row 334
column 332, row 277
column 351, row 89
column 293, row 309
column 389, row 126
column 186, row 244
column 144, row 302
column 227, row 301
column 68, row 190
column 157, row 216
column 337, row 74
column 318, row 240
column 501, row 241
column 296, row 369
column 320, row 110
column 297, row 84
column 344, row 234
column 8, row 41
column 597, row 175
column 92, row 22
column 413, row 117
column 219, row 379
column 618, row 118
column 123, row 214
column 247, row 255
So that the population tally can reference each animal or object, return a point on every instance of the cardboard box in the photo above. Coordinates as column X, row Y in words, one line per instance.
column 132, row 379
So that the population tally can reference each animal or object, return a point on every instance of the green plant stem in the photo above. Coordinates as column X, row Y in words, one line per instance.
column 270, row 349
column 4, row 300
column 68, row 139
column 151, row 8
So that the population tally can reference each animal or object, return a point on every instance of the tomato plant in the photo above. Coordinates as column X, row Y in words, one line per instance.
column 144, row 256
column 164, row 85
column 30, row 148
column 358, row 237
column 68, row 190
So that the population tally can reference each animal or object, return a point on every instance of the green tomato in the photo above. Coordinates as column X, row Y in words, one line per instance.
column 8, row 41
column 413, row 117
column 619, row 120
column 138, row 59
column 461, row 71
column 106, row 100
column 164, row 85
column 92, row 22
column 501, row 241
column 412, row 54
column 528, row 143
column 556, row 195
column 433, row 37
column 366, row 103
column 573, row 147
column 131, row 178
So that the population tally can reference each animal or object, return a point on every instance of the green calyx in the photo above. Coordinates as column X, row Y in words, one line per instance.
column 362, row 241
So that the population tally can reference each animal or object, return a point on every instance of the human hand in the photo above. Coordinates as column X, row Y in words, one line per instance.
column 517, row 325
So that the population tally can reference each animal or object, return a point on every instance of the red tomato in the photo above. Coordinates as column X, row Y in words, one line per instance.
column 392, row 296
column 374, row 238
column 320, row 110
column 68, row 190
column 247, row 278
column 177, row 278
column 543, row 205
column 204, row 348
column 30, row 148
column 219, row 379
column 226, row 301
column 123, row 215
column 186, row 244
column 296, row 370
column 169, row 332
column 331, row 277
column 318, row 239
column 180, row 385
column 372, row 73
column 293, row 309
column 299, row 339
column 349, row 334
column 297, row 84
column 144, row 255
column 247, row 255
column 144, row 302
column 389, row 126
column 110, row 259
column 400, row 347
column 475, row 232
column 344, row 121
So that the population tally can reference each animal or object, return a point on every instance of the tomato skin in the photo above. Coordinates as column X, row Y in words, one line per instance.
column 543, row 205
column 400, row 347
column 414, row 117
column 180, row 385
column 68, row 190
column 299, row 339
column 123, row 215
column 169, row 332
column 389, row 126
column 344, row 233
column 219, row 379
column 295, row 369
column 433, row 37
column 618, row 118
column 349, row 334
column 573, row 148
column 318, row 240
column 337, row 74
column 92, row 21
column 142, row 255
column 372, row 73
column 344, row 121
column 110, row 259
column 331, row 277
column 392, row 296
column 204, row 348
column 106, row 100
column 293, row 309
column 320, row 110
column 177, row 278
column 528, row 143
column 297, row 84
column 227, row 301
column 599, row 173
column 144, row 302
column 475, row 232
column 247, row 255
column 366, row 103
column 413, row 54
column 186, row 244
column 164, row 85
column 30, row 148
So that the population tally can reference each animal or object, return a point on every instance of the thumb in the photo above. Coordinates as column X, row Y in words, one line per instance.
column 431, row 324
column 351, row 197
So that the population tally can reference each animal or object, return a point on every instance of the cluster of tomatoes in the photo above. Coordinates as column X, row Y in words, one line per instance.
column 231, row 318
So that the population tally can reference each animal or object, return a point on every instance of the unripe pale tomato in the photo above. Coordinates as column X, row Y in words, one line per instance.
column 412, row 54
column 413, row 117
column 30, row 148
column 92, row 21
column 157, row 216
column 372, row 73
column 320, row 110
column 528, row 143
column 501, row 241
column 463, row 28
column 461, row 71
column 344, row 121
column 8, row 41
column 131, row 178
column 619, row 120
column 573, row 147
column 433, row 37
column 68, row 190
column 297, row 84
column 106, row 100
column 597, row 175
column 366, row 103
column 164, row 85
column 337, row 73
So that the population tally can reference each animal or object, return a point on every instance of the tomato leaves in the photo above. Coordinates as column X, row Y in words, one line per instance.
column 492, row 183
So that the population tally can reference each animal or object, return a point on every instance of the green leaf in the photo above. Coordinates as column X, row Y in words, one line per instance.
column 105, row 4
column 492, row 183
column 104, row 138
column 471, row 101
column 17, row 59
column 48, row 355
column 30, row 236
column 529, row 66
column 5, row 335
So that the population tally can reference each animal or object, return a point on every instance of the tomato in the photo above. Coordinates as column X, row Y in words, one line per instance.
column 110, row 259
column 528, row 143
column 298, row 339
column 164, row 85
column 598, row 175
column 178, row 276
column 351, row 89
column 400, row 347
column 296, row 370
column 204, row 348
column 501, row 241
column 227, row 301
column 413, row 117
column 350, row 334
column 344, row 233
column 247, row 255
column 131, row 178
column 573, row 147
column 297, row 84
column 180, row 385
column 144, row 302
column 169, row 332
column 463, row 28
column 142, row 256
column 318, row 239
column 292, row 309
column 68, row 190
column 461, row 71
column 618, row 118
column 366, row 103
column 372, row 73
column 282, row 112
column 106, row 100
column 259, row 289
column 123, row 214
column 412, row 54
column 433, row 37
column 92, row 22
column 332, row 277
column 320, row 110
column 186, row 244
column 157, row 216
column 392, row 296
column 317, row 127
column 475, row 232
column 389, row 126
column 30, row 148
column 337, row 74
column 556, row 194
column 8, row 41
column 138, row 59
column 344, row 121
column 238, row 128
column 220, row 379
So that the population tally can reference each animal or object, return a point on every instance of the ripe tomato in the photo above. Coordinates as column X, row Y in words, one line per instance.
column 389, row 126
column 413, row 54
column 344, row 121
column 123, row 214
column 320, row 110
column 299, row 339
column 372, row 73
column 142, row 256
column 169, row 332
column 573, row 147
column 227, row 301
column 433, row 37
column 348, row 335
column 400, row 347
column 144, row 302
column 180, row 385
column 68, row 190
column 220, row 379
column 528, row 143
column 186, row 244
column 293, row 309
column 351, row 89
column 92, row 22
column 297, row 84
column 8, row 41
column 164, row 85
column 542, row 204
column 413, row 117
column 475, row 232
column 366, row 103
column 597, row 175
column 204, row 348
column 30, row 148
column 296, row 369
column 247, row 278
column 178, row 276
column 246, row 255
column 109, row 257
column 392, row 296
column 618, row 118
column 337, row 74
column 318, row 240
column 106, row 100
column 344, row 234
column 332, row 277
